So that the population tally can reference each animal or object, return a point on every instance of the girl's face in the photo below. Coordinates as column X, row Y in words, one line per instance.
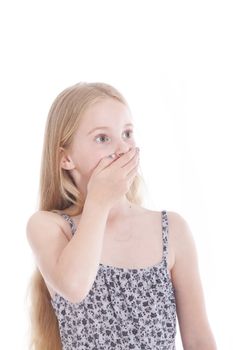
column 106, row 128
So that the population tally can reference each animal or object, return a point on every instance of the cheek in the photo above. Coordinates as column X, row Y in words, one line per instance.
column 96, row 158
column 88, row 163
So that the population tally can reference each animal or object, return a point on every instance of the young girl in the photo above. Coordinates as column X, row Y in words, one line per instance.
column 110, row 274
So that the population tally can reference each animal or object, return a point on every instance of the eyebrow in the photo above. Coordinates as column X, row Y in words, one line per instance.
column 104, row 127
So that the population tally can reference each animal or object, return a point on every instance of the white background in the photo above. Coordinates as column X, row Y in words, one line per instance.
column 172, row 60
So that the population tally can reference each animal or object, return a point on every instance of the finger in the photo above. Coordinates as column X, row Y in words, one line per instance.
column 132, row 171
column 131, row 176
column 123, row 160
column 134, row 162
column 104, row 163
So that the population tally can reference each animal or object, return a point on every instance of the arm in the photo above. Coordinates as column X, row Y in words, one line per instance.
column 68, row 266
column 191, row 312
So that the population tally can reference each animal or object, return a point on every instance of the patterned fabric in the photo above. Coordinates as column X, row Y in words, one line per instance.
column 125, row 308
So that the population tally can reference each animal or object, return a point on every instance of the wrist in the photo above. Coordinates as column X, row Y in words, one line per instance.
column 96, row 204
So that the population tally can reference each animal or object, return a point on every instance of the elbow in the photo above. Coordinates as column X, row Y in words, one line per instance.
column 76, row 296
column 75, row 293
column 74, row 287
column 71, row 287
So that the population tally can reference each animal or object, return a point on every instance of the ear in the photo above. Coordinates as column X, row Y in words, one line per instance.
column 66, row 160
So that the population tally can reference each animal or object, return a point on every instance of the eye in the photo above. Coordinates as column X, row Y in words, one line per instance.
column 100, row 137
column 129, row 132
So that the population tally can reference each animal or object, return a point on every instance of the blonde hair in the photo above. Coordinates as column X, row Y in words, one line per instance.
column 58, row 193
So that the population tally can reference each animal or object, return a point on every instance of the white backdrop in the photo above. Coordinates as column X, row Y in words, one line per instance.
column 173, row 62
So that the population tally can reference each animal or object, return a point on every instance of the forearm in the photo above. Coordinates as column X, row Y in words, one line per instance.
column 78, row 264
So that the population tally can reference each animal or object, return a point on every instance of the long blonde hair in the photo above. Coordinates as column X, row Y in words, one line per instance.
column 58, row 192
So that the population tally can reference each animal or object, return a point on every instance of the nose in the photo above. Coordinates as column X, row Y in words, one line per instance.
column 122, row 149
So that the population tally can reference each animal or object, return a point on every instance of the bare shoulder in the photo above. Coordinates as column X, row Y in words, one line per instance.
column 42, row 221
column 178, row 226
column 41, row 216
column 181, row 238
column 175, row 220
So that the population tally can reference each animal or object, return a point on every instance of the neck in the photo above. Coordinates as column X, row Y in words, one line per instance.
column 120, row 210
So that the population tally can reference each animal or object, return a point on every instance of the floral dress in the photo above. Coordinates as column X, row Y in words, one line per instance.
column 126, row 308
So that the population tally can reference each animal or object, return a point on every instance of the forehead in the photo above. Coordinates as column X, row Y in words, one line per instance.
column 105, row 112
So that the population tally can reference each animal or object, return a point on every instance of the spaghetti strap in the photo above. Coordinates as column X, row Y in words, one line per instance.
column 126, row 308
column 165, row 236
column 71, row 222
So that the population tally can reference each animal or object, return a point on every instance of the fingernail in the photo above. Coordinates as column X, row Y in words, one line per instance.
column 112, row 156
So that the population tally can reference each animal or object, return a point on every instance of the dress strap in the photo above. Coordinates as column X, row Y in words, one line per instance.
column 165, row 235
column 71, row 222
